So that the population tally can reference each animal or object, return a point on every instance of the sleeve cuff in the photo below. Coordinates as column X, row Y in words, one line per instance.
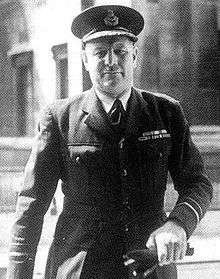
column 186, row 216
column 20, row 269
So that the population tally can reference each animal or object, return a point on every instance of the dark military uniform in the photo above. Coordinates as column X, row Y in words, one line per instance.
column 113, row 185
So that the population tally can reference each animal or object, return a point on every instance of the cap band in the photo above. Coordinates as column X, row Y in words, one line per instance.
column 94, row 34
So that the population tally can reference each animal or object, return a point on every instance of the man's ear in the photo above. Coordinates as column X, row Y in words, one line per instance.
column 135, row 54
column 85, row 59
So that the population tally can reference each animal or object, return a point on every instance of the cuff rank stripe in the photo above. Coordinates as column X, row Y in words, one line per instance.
column 197, row 206
column 192, row 208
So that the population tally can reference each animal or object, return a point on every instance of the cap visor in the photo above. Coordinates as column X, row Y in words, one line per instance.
column 109, row 33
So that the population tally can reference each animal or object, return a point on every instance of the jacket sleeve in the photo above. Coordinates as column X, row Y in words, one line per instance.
column 188, row 174
column 40, row 181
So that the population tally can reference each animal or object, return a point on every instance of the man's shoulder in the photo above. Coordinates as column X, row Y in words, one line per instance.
column 157, row 97
column 61, row 106
column 72, row 100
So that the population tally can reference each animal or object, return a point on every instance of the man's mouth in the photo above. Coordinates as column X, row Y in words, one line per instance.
column 111, row 72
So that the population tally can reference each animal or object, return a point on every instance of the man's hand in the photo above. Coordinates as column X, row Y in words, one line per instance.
column 169, row 241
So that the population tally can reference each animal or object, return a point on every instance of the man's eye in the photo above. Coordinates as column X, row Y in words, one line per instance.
column 100, row 53
column 120, row 51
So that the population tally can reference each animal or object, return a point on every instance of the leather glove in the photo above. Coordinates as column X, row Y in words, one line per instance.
column 144, row 261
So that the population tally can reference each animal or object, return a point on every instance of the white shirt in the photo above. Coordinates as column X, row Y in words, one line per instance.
column 107, row 101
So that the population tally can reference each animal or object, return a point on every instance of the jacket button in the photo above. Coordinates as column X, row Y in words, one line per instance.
column 77, row 159
column 126, row 201
column 121, row 143
column 126, row 228
column 124, row 172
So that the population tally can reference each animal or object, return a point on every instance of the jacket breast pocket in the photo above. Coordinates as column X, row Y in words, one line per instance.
column 85, row 154
column 81, row 161
column 153, row 160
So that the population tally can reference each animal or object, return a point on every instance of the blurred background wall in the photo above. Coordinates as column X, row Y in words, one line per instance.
column 179, row 55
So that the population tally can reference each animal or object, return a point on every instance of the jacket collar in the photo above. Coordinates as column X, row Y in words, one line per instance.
column 138, row 114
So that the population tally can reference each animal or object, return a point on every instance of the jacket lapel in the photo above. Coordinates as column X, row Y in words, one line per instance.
column 139, row 117
column 96, row 118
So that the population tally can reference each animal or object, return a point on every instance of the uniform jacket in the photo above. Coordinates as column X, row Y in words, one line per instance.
column 113, row 185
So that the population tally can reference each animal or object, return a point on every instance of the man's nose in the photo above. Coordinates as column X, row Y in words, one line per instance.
column 111, row 58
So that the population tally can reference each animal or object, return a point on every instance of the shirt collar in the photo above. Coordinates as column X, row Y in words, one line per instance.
column 107, row 101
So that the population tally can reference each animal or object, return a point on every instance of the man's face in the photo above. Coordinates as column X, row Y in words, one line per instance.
column 110, row 62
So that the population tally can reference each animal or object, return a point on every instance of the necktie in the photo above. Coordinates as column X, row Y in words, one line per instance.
column 117, row 116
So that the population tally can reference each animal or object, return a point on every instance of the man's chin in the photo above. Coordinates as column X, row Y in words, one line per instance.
column 111, row 90
column 111, row 83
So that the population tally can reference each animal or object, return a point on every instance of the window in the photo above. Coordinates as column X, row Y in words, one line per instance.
column 22, row 64
column 61, row 59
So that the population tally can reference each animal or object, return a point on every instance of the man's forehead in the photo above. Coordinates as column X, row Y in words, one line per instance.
column 110, row 40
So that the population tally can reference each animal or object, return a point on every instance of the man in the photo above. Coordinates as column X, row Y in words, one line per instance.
column 112, row 148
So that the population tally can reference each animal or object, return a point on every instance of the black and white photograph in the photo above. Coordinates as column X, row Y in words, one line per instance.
column 109, row 139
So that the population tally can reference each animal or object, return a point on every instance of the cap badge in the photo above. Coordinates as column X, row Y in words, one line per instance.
column 111, row 19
